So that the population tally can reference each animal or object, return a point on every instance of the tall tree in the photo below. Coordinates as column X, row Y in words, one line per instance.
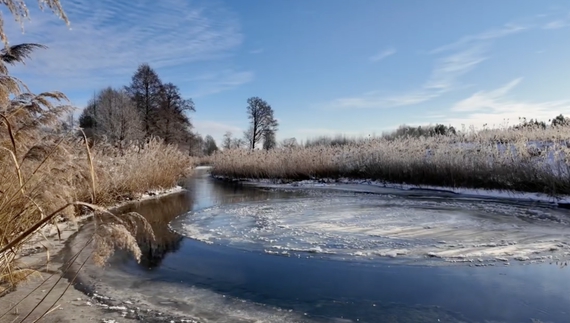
column 115, row 117
column 227, row 142
column 196, row 145
column 171, row 122
column 209, row 145
column 146, row 92
column 262, row 121
column 269, row 141
column 238, row 143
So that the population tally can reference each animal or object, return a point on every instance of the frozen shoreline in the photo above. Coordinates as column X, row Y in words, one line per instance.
column 372, row 186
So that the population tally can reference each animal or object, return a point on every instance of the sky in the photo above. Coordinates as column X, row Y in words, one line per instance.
column 326, row 67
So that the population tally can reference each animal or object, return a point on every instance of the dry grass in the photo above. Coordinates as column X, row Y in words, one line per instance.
column 126, row 176
column 528, row 160
column 46, row 177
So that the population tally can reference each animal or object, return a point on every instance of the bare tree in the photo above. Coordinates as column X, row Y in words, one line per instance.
column 248, row 137
column 238, row 143
column 115, row 115
column 269, row 140
column 227, row 142
column 146, row 92
column 171, row 122
column 261, row 119
column 289, row 143
column 196, row 145
column 209, row 145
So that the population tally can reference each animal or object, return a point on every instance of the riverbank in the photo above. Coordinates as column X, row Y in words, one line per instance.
column 508, row 161
column 44, row 253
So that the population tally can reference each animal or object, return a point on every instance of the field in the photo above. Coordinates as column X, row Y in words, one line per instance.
column 523, row 160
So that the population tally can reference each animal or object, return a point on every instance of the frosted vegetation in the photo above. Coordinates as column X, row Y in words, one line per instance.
column 527, row 159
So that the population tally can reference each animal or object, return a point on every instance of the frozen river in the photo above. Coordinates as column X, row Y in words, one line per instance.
column 229, row 253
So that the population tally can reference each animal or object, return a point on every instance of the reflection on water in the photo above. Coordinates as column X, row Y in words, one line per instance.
column 201, row 192
column 322, row 290
column 159, row 212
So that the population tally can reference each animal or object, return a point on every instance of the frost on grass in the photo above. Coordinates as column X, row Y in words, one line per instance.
column 511, row 160
column 119, row 234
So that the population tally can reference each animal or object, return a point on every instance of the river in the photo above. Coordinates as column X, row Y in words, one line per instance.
column 226, row 252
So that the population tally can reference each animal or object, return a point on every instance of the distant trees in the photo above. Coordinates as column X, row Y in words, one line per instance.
column 145, row 108
column 263, row 124
column 209, row 145
column 289, row 143
column 560, row 121
column 532, row 123
column 227, row 141
column 238, row 143
column 111, row 113
column 419, row 131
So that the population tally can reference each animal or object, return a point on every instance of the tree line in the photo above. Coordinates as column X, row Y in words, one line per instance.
column 148, row 108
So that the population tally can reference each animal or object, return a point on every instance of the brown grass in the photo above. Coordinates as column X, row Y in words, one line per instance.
column 503, row 159
column 126, row 176
column 46, row 177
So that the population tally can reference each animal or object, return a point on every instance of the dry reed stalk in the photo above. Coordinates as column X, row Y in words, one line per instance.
column 505, row 159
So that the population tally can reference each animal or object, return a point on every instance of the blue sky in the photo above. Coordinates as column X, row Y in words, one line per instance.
column 326, row 66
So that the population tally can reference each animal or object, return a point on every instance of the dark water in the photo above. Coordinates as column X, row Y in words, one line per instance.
column 321, row 289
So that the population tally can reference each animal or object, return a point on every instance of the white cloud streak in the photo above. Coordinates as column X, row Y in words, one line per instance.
column 495, row 107
column 556, row 24
column 453, row 61
column 382, row 55
column 109, row 39
column 256, row 51
column 217, row 82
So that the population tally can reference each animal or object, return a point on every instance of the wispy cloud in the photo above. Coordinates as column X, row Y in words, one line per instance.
column 452, row 61
column 256, row 51
column 108, row 39
column 505, row 30
column 496, row 106
column 216, row 82
column 556, row 24
column 382, row 55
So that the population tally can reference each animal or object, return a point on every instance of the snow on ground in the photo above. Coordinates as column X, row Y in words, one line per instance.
column 160, row 192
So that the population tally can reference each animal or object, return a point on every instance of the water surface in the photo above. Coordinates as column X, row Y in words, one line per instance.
column 226, row 279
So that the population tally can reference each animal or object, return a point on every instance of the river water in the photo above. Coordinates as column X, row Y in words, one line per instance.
column 233, row 253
